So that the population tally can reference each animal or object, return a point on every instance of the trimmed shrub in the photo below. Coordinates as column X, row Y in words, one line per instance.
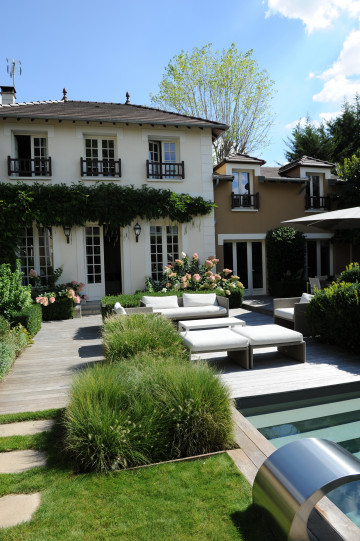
column 285, row 250
column 63, row 308
column 30, row 318
column 7, row 357
column 12, row 342
column 13, row 295
column 350, row 274
column 125, row 336
column 144, row 411
column 334, row 314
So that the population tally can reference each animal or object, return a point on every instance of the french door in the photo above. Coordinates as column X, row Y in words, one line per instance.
column 247, row 260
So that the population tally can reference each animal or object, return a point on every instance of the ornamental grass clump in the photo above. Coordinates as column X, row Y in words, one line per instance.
column 144, row 411
column 125, row 336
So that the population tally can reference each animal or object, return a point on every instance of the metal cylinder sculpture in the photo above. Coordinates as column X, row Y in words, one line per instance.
column 295, row 477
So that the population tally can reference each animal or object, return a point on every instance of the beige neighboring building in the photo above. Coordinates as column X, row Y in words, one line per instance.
column 252, row 199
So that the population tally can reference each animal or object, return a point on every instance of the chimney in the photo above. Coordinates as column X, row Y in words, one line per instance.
column 7, row 95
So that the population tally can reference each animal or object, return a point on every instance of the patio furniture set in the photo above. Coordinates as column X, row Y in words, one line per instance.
column 205, row 326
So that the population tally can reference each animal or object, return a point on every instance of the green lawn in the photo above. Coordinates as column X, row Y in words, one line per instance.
column 196, row 500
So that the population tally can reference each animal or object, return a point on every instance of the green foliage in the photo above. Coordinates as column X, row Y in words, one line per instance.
column 12, row 342
column 63, row 308
column 349, row 171
column 125, row 336
column 351, row 273
column 13, row 295
column 308, row 140
column 74, row 205
column 145, row 410
column 334, row 141
column 334, row 313
column 30, row 318
column 285, row 250
column 226, row 86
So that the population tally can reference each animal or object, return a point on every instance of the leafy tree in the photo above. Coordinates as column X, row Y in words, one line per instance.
column 228, row 87
column 349, row 171
column 344, row 131
column 308, row 140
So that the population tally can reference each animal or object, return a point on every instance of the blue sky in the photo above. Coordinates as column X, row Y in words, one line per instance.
column 100, row 50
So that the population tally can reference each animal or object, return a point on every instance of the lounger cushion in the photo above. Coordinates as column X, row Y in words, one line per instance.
column 183, row 312
column 306, row 297
column 170, row 301
column 261, row 335
column 285, row 313
column 197, row 299
column 214, row 340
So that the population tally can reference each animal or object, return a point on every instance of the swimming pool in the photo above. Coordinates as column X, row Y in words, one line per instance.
column 332, row 413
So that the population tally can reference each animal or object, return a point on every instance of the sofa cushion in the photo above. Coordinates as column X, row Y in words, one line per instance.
column 118, row 309
column 197, row 299
column 285, row 313
column 306, row 297
column 184, row 312
column 213, row 340
column 261, row 335
column 170, row 301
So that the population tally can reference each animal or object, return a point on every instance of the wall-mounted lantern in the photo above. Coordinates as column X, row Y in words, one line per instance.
column 67, row 231
column 137, row 230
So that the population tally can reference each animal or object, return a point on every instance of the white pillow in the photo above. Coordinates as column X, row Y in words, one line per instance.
column 306, row 297
column 197, row 299
column 118, row 309
column 161, row 302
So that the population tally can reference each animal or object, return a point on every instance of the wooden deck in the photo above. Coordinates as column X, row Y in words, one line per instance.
column 275, row 373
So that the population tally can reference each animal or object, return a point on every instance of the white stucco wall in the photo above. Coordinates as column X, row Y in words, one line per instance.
column 66, row 145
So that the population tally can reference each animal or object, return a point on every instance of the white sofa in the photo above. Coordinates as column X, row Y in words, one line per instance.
column 189, row 306
column 290, row 312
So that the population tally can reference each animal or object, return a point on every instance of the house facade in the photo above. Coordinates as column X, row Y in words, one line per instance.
column 252, row 199
column 70, row 142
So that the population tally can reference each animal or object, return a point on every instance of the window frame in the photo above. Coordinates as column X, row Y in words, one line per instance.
column 100, row 163
column 39, row 251
column 166, row 240
column 155, row 168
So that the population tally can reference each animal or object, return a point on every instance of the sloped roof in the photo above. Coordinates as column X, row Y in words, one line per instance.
column 236, row 157
column 106, row 112
column 305, row 161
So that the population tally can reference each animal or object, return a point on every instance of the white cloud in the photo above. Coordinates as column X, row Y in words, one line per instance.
column 315, row 14
column 342, row 79
column 329, row 116
column 294, row 123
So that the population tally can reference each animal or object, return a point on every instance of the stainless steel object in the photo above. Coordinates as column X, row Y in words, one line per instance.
column 295, row 477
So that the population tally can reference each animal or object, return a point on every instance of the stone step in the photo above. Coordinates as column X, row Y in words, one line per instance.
column 19, row 461
column 18, row 508
column 26, row 428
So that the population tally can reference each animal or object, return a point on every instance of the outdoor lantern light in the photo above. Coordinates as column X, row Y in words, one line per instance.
column 67, row 230
column 137, row 229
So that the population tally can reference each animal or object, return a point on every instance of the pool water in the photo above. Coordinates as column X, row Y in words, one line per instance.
column 331, row 413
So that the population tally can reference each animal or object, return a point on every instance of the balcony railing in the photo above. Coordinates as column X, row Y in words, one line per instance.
column 90, row 167
column 317, row 202
column 245, row 200
column 29, row 167
column 165, row 170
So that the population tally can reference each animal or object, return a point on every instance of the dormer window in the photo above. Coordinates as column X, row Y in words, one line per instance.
column 242, row 191
column 314, row 198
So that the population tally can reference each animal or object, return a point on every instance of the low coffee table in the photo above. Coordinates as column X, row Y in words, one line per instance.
column 211, row 323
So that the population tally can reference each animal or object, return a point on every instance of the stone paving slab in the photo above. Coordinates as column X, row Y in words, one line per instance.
column 17, row 508
column 26, row 428
column 19, row 461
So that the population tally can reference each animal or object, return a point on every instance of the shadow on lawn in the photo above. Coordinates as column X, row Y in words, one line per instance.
column 252, row 524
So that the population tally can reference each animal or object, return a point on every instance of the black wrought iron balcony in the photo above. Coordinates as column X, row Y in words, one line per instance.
column 29, row 167
column 90, row 167
column 164, row 170
column 245, row 200
column 317, row 202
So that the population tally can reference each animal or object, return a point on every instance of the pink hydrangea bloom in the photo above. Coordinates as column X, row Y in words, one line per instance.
column 38, row 300
column 196, row 277
column 52, row 299
column 74, row 283
column 209, row 264
column 211, row 278
column 45, row 301
column 71, row 293
column 227, row 271
column 195, row 256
